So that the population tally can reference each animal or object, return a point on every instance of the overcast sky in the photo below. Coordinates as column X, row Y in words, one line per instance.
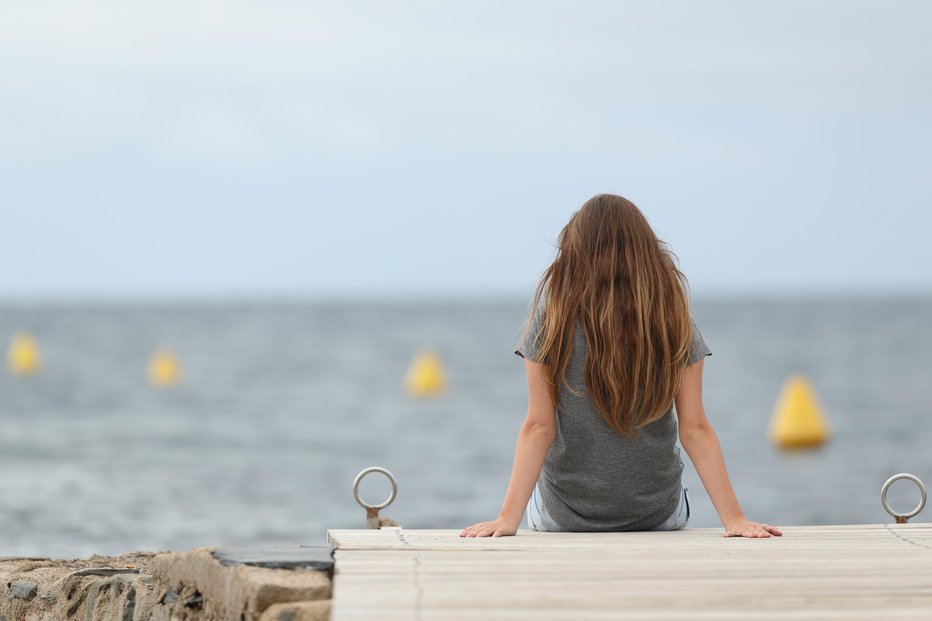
column 192, row 148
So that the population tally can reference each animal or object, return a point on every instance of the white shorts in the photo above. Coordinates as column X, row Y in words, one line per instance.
column 539, row 519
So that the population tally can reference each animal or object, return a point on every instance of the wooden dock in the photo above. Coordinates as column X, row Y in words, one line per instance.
column 874, row 571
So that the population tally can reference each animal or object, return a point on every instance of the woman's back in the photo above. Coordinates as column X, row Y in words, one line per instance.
column 593, row 478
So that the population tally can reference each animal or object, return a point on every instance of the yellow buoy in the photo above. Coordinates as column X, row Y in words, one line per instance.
column 426, row 376
column 23, row 357
column 164, row 369
column 798, row 421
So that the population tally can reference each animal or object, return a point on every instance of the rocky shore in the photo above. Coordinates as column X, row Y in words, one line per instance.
column 285, row 583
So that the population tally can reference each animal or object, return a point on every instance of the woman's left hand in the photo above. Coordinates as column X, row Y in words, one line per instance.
column 743, row 527
column 495, row 528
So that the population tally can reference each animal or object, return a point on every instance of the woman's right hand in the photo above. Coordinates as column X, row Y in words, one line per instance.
column 496, row 528
column 743, row 527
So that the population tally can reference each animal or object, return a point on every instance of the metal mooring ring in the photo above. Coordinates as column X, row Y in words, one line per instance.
column 366, row 471
column 903, row 516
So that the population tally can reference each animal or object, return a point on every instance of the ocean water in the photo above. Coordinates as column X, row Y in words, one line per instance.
column 282, row 405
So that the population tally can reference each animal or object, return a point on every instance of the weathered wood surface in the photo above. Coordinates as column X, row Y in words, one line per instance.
column 874, row 571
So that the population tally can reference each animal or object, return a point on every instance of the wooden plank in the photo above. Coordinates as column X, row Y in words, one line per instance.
column 807, row 536
column 875, row 571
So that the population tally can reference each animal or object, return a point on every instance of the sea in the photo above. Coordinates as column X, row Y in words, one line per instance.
column 280, row 405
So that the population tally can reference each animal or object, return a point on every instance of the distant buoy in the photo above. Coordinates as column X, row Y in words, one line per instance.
column 24, row 357
column 426, row 376
column 797, row 420
column 164, row 369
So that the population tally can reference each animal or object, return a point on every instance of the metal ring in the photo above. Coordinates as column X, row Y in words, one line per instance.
column 886, row 486
column 391, row 496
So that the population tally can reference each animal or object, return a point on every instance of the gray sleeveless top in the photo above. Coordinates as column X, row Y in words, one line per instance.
column 593, row 479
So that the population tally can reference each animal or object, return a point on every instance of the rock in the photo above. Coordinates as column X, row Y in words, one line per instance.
column 278, row 557
column 23, row 589
column 298, row 611
column 106, row 571
column 115, row 598
column 239, row 592
column 236, row 584
column 148, row 593
column 129, row 604
column 170, row 597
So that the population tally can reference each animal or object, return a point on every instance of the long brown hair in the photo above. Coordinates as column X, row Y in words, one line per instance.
column 622, row 284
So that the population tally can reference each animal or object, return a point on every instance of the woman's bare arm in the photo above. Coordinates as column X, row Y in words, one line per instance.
column 534, row 440
column 702, row 446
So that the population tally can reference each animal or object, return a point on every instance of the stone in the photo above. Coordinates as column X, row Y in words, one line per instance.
column 278, row 557
column 147, row 593
column 129, row 604
column 170, row 597
column 298, row 611
column 95, row 598
column 106, row 571
column 237, row 591
column 285, row 583
column 23, row 589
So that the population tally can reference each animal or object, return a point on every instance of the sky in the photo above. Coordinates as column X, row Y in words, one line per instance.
column 266, row 149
